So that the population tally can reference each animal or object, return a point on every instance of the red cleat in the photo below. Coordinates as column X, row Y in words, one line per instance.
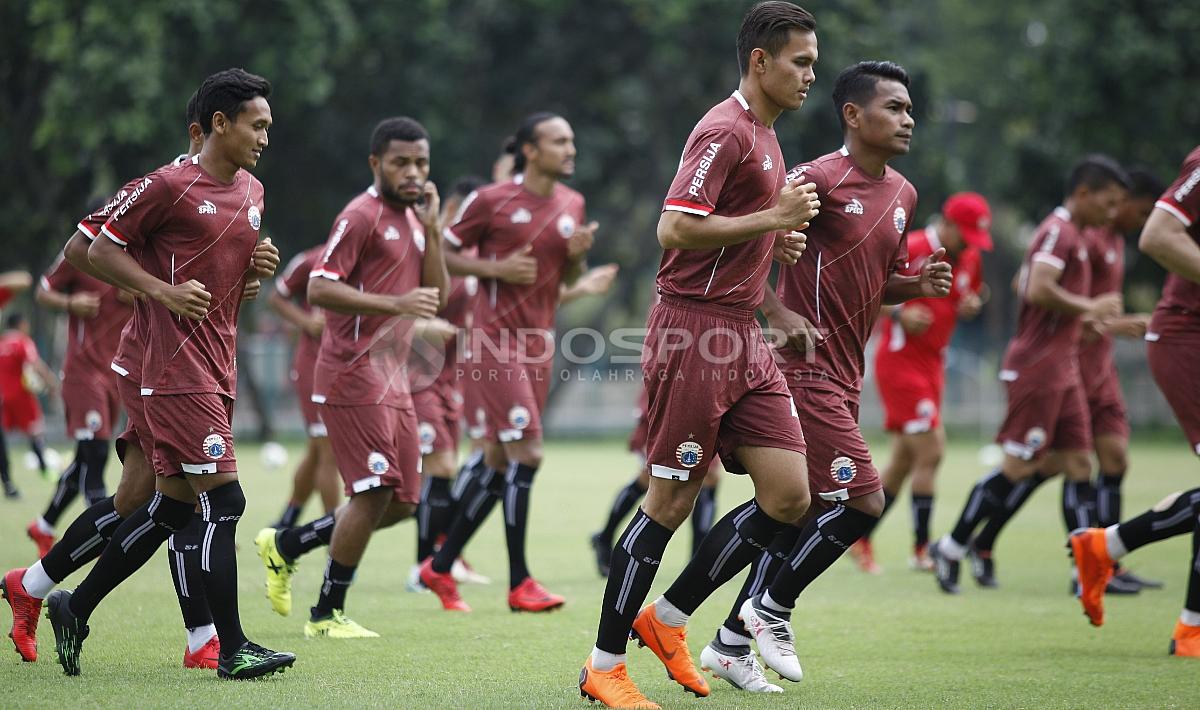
column 44, row 541
column 206, row 657
column 864, row 556
column 444, row 586
column 531, row 596
column 1090, row 551
column 25, row 611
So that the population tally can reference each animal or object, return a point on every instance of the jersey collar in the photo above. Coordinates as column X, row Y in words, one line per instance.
column 1062, row 213
column 737, row 94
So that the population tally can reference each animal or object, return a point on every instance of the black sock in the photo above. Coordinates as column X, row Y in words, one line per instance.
column 1178, row 517
column 1108, row 498
column 985, row 540
column 83, row 540
column 471, row 469
column 473, row 509
column 733, row 543
column 519, row 482
column 1078, row 504
column 183, row 554
column 1193, row 588
column 294, row 542
column 65, row 493
column 221, row 509
column 635, row 561
column 37, row 444
column 627, row 498
column 338, row 578
column 986, row 498
column 821, row 542
column 922, row 511
column 132, row 545
column 703, row 516
column 95, row 454
column 290, row 516
column 433, row 515
column 4, row 475
column 762, row 572
column 888, row 501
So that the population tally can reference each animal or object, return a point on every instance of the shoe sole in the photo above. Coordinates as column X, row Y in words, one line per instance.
column 520, row 609
column 259, row 672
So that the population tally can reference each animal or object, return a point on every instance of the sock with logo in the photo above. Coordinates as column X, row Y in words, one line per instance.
column 1078, row 504
column 83, row 540
column 635, row 561
column 821, row 543
column 338, row 578
column 518, row 485
column 922, row 511
column 183, row 555
column 433, row 514
column 222, row 508
column 294, row 542
column 1108, row 498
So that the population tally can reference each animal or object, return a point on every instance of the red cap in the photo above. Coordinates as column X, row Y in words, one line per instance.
column 970, row 212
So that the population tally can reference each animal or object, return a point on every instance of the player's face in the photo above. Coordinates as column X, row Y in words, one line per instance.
column 553, row 149
column 1100, row 206
column 886, row 121
column 1133, row 213
column 786, row 77
column 245, row 138
column 402, row 171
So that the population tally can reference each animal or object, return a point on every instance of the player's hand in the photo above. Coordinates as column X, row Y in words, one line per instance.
column 798, row 204
column 1106, row 306
column 788, row 247
column 519, row 268
column 437, row 330
column 421, row 302
column 596, row 281
column 315, row 325
column 251, row 289
column 936, row 275
column 581, row 240
column 265, row 259
column 188, row 299
column 1131, row 326
column 915, row 318
column 429, row 211
column 84, row 304
column 969, row 306
column 797, row 332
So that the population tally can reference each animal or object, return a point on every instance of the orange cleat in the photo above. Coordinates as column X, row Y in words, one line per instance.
column 444, row 586
column 206, row 657
column 864, row 556
column 1186, row 640
column 531, row 596
column 669, row 643
column 1090, row 551
column 25, row 611
column 613, row 688
column 44, row 541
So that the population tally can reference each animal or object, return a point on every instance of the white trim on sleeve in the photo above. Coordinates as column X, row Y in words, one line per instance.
column 1050, row 259
column 1173, row 211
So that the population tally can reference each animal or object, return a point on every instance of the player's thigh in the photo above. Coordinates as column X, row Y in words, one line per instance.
column 192, row 433
column 780, row 480
column 364, row 443
column 137, row 480
column 1032, row 420
column 928, row 447
column 669, row 501
column 839, row 462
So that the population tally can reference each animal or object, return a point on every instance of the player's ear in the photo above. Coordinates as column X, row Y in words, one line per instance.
column 373, row 162
column 219, row 122
column 758, row 60
column 851, row 113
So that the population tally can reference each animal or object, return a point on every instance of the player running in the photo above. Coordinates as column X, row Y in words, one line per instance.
column 23, row 373
column 910, row 364
column 11, row 283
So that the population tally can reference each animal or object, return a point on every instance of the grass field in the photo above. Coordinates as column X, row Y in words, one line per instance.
column 865, row 642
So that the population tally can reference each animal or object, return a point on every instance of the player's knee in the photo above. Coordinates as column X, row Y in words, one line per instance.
column 171, row 513
column 223, row 504
column 1077, row 466
column 871, row 504
column 131, row 495
column 669, row 505
column 397, row 512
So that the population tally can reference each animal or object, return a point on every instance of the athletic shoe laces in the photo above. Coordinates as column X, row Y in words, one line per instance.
column 781, row 631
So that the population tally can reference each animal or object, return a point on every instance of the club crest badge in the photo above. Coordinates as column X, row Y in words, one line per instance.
column 255, row 217
column 1035, row 438
column 377, row 463
column 519, row 417
column 426, row 433
column 93, row 420
column 843, row 469
column 214, row 446
column 899, row 219
column 566, row 226
column 689, row 454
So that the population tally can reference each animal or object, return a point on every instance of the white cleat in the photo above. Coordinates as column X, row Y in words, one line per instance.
column 742, row 672
column 463, row 574
column 414, row 583
column 775, row 640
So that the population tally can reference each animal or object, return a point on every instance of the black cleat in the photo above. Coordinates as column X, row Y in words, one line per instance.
column 69, row 633
column 603, row 551
column 10, row 491
column 983, row 568
column 253, row 661
column 945, row 570
column 1128, row 577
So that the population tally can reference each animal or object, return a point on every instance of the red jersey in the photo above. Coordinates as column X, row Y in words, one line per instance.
column 927, row 351
column 293, row 284
column 5, row 296
column 374, row 248
column 91, row 342
column 1178, row 311
column 16, row 351
column 854, row 245
column 731, row 166
column 1046, row 345
column 1106, row 251
column 187, row 225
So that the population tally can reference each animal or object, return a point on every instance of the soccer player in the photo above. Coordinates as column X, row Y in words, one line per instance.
column 317, row 470
column 1172, row 238
column 21, row 371
column 1046, row 426
column 175, row 217
column 511, row 340
column 910, row 364
column 381, row 268
column 11, row 283
column 1105, row 403
column 97, row 312
column 729, row 209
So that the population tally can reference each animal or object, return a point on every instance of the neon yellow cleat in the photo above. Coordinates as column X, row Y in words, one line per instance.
column 279, row 572
column 337, row 626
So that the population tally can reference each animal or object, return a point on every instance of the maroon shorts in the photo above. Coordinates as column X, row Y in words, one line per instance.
column 1175, row 365
column 712, row 386
column 21, row 412
column 302, row 382
column 192, row 433
column 375, row 445
column 839, row 462
column 1042, row 417
column 912, row 397
column 1106, row 405
column 137, row 430
column 474, row 416
column 439, row 413
column 92, row 406
column 510, row 394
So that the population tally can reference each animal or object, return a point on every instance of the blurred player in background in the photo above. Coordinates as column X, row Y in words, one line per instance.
column 24, row 375
column 11, row 283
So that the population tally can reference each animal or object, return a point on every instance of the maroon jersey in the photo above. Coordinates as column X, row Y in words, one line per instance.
column 854, row 245
column 374, row 248
column 927, row 350
column 91, row 342
column 1106, row 251
column 501, row 219
column 1178, row 311
column 731, row 166
column 1045, row 336
column 187, row 225
column 293, row 284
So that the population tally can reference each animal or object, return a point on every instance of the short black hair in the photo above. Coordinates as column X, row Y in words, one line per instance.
column 191, row 114
column 526, row 134
column 228, row 91
column 466, row 184
column 1144, row 183
column 767, row 25
column 856, row 83
column 1095, row 172
column 14, row 320
column 400, row 128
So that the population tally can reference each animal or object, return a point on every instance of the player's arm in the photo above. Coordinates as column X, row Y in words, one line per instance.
column 80, row 303
column 596, row 282
column 578, row 245
column 16, row 281
column 792, row 329
column 76, row 254
column 797, row 205
column 188, row 299
column 1043, row 290
column 433, row 263
column 1166, row 240
column 933, row 281
column 311, row 323
column 421, row 302
column 519, row 268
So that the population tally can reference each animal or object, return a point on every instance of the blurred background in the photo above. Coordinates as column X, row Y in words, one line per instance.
column 1007, row 96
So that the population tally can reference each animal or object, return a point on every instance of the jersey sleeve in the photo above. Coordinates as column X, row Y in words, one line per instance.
column 294, row 278
column 141, row 213
column 709, row 159
column 900, row 259
column 1182, row 199
column 1054, row 245
column 470, row 223
column 342, row 251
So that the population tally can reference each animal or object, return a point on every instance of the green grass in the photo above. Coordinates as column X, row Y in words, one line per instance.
column 865, row 642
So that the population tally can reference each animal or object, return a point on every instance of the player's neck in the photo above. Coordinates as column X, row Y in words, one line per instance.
column 871, row 161
column 1071, row 206
column 763, row 108
column 538, row 183
column 216, row 165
